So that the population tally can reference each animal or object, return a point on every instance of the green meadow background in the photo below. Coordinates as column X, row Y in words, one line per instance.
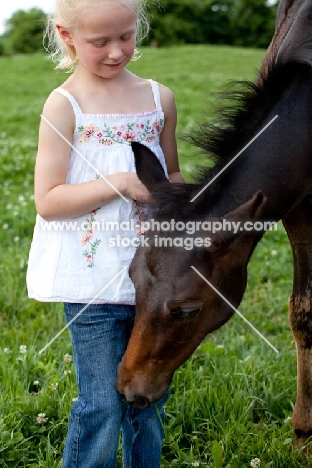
column 232, row 401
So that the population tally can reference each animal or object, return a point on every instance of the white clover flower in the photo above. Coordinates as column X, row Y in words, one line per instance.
column 7, row 351
column 21, row 198
column 41, row 419
column 74, row 399
column 195, row 463
column 274, row 253
column 16, row 239
column 68, row 358
column 5, row 227
column 9, row 206
column 23, row 349
column 54, row 387
column 36, row 382
column 255, row 463
column 66, row 372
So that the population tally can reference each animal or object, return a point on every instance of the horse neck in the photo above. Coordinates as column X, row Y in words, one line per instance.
column 277, row 163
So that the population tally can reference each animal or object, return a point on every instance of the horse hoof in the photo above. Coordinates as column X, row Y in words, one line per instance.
column 303, row 443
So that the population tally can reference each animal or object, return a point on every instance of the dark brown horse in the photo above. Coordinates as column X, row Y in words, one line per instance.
column 269, row 181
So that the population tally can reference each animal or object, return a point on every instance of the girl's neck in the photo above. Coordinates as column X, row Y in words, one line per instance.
column 83, row 79
column 123, row 94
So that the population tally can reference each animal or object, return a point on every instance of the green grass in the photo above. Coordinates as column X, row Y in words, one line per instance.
column 231, row 402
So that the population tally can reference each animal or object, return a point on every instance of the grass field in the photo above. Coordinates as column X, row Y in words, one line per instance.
column 232, row 401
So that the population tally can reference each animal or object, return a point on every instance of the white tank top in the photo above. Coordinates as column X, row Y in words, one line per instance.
column 80, row 259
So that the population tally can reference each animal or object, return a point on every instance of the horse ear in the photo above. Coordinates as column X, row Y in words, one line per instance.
column 249, row 211
column 282, row 11
column 294, row 37
column 148, row 167
column 234, row 223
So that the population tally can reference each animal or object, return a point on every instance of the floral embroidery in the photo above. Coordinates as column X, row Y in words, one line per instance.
column 123, row 134
column 105, row 141
column 87, row 133
column 87, row 238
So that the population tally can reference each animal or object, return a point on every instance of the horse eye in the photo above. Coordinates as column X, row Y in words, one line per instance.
column 184, row 313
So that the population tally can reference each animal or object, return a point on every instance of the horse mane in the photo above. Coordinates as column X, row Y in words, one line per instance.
column 245, row 108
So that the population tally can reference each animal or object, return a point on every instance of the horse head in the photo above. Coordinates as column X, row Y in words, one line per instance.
column 173, row 315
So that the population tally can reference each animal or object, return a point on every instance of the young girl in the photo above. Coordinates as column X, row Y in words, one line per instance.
column 85, row 180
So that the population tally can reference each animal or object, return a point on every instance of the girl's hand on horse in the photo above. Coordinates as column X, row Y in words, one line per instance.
column 132, row 187
column 176, row 178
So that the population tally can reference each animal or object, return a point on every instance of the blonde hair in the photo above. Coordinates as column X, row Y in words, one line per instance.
column 68, row 12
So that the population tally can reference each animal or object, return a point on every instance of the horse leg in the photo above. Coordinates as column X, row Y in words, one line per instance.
column 298, row 225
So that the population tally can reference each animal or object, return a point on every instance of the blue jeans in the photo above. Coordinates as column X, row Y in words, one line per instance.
column 99, row 340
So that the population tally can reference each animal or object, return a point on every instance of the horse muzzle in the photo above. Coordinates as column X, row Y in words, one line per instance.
column 136, row 400
column 139, row 402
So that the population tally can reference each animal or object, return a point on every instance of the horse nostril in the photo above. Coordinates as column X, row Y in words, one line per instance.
column 139, row 402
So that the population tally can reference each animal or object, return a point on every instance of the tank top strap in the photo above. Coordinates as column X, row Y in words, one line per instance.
column 72, row 100
column 156, row 93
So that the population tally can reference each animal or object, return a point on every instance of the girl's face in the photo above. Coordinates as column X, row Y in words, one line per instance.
column 104, row 39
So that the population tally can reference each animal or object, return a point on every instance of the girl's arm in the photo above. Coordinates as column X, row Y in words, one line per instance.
column 53, row 197
column 168, row 140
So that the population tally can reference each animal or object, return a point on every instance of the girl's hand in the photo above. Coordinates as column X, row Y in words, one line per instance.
column 176, row 177
column 133, row 187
